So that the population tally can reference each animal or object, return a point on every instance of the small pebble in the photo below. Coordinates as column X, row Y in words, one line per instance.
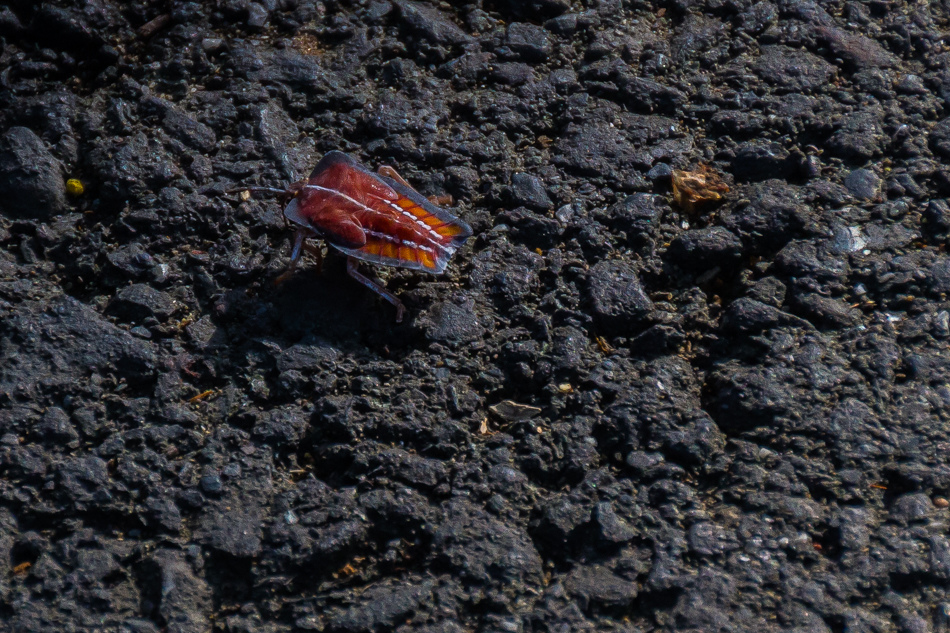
column 211, row 483
column 863, row 184
column 74, row 187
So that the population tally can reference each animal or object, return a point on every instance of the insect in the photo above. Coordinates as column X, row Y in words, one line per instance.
column 373, row 217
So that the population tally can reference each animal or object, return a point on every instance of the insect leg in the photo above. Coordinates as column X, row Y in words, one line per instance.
column 294, row 256
column 389, row 172
column 445, row 200
column 274, row 190
column 351, row 268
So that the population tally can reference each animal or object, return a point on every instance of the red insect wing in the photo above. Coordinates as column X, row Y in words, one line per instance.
column 344, row 201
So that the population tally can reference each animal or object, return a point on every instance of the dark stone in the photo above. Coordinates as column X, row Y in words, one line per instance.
column 802, row 259
column 182, row 126
column 381, row 608
column 657, row 339
column 467, row 68
column 211, row 483
column 184, row 597
column 794, row 70
column 562, row 518
column 700, row 250
column 234, row 528
column 452, row 321
column 912, row 85
column 84, row 343
column 637, row 215
column 863, row 184
column 95, row 564
column 647, row 95
column 937, row 217
column 32, row 182
column 281, row 427
column 940, row 138
column 774, row 215
column 131, row 261
column 84, row 480
column 643, row 464
column 462, row 180
column 57, row 428
column 911, row 508
column 512, row 73
column 698, row 37
column 419, row 472
column 760, row 161
column 10, row 24
column 179, row 124
column 139, row 301
column 164, row 512
column 617, row 297
column 708, row 539
column 257, row 16
column 205, row 335
column 563, row 79
column 482, row 551
column 938, row 276
column 661, row 172
column 531, row 228
column 858, row 50
column 595, row 586
column 527, row 190
column 309, row 355
column 568, row 346
column 748, row 316
column 593, row 148
column 903, row 184
column 528, row 41
column 76, row 29
column 334, row 542
column 611, row 528
column 431, row 23
column 824, row 311
column 859, row 139
column 768, row 290
column 759, row 17
column 132, row 165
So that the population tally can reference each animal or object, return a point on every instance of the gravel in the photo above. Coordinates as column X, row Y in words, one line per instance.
column 609, row 414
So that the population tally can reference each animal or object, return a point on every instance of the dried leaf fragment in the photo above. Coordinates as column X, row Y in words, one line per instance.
column 513, row 412
column 695, row 189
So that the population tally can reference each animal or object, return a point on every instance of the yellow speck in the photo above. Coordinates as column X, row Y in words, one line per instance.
column 74, row 187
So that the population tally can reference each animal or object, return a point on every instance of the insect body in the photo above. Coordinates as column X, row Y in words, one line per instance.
column 374, row 217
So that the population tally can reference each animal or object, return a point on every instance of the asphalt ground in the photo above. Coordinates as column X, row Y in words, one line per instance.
column 689, row 374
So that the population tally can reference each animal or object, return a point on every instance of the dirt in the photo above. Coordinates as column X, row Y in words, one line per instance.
column 612, row 413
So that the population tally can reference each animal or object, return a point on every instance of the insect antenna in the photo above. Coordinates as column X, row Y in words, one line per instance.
column 273, row 190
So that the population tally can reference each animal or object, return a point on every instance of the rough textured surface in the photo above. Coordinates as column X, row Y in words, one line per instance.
column 610, row 414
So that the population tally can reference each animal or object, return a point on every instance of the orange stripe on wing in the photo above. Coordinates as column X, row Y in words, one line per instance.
column 434, row 222
column 372, row 247
column 449, row 230
column 426, row 259
column 407, row 254
column 387, row 249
